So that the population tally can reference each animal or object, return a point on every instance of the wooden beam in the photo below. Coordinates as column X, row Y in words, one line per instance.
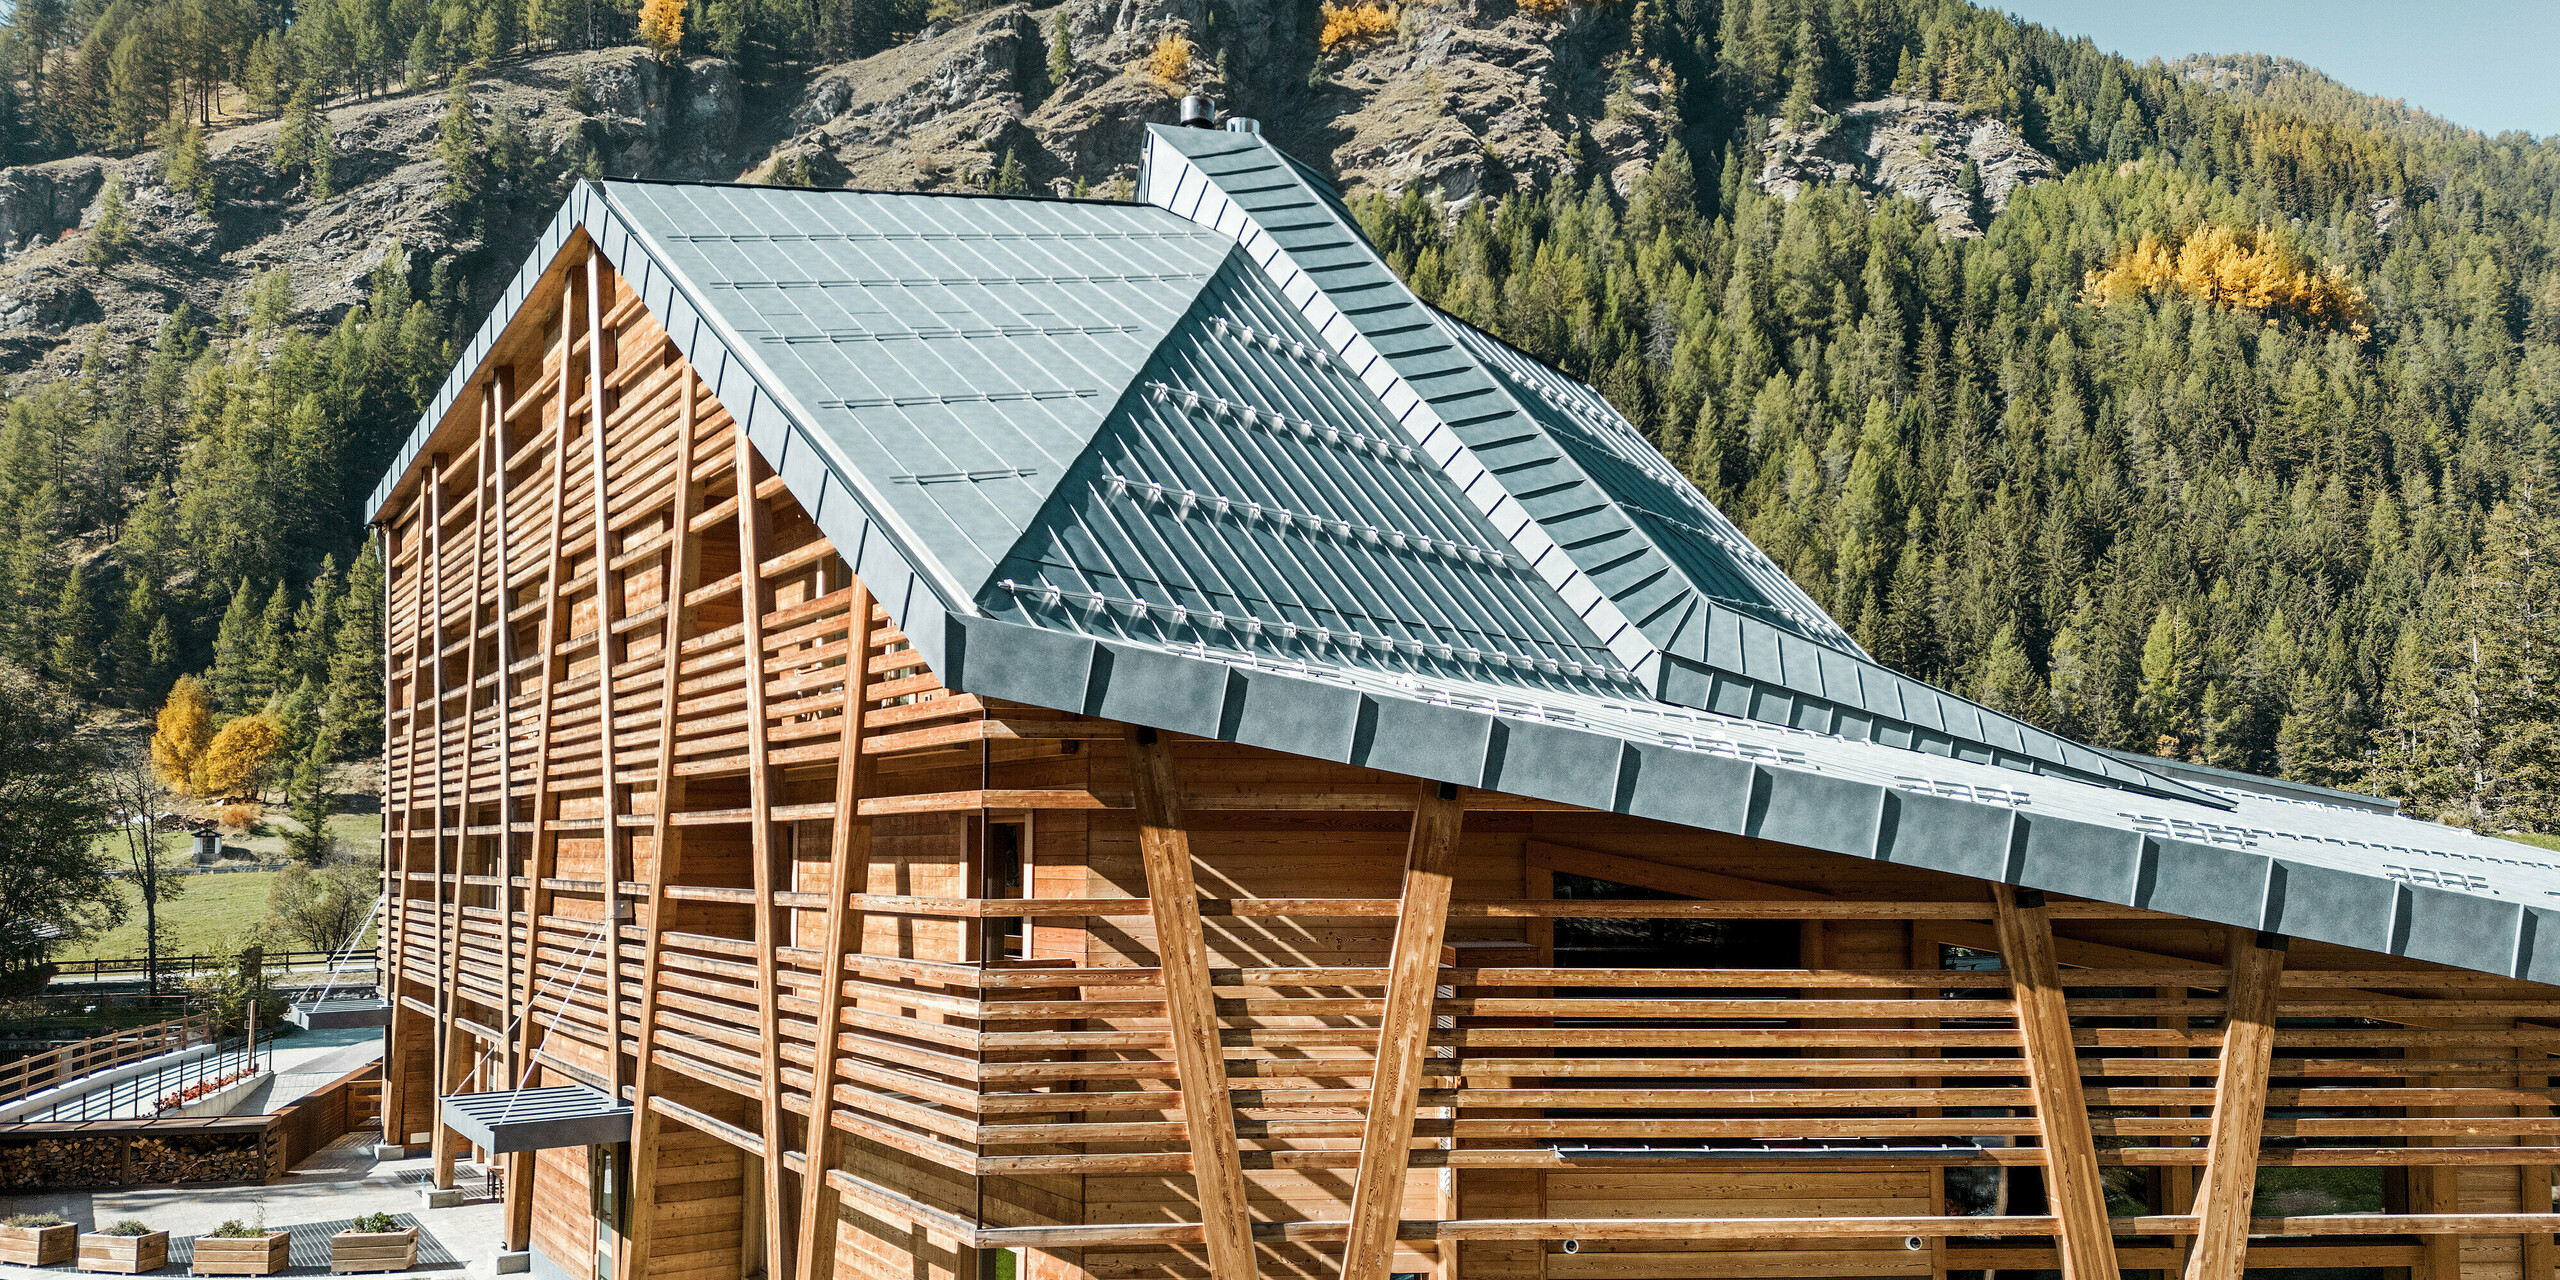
column 2079, row 1200
column 1404, row 1034
column 666, row 839
column 1191, row 1013
column 848, row 870
column 457, row 1075
column 431, row 595
column 546, row 839
column 755, row 534
column 2230, row 1182
column 608, row 612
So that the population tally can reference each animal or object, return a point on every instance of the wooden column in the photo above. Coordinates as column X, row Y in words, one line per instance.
column 848, row 873
column 544, row 859
column 2077, row 1199
column 1404, row 1034
column 755, row 538
column 501, row 389
column 2230, row 1182
column 608, row 613
column 456, row 1067
column 666, row 840
column 1191, row 1014
column 431, row 594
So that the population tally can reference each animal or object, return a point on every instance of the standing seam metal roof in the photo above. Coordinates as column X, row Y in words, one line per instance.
column 874, row 353
column 1679, row 594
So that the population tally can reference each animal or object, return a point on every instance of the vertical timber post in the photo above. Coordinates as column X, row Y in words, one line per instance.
column 2230, row 1181
column 2053, row 1075
column 666, row 840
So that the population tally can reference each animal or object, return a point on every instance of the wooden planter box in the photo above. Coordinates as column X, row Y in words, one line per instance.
column 39, row 1246
column 351, row 1251
column 125, row 1255
column 243, row 1255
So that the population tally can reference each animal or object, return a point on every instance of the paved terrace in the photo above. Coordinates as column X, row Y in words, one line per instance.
column 317, row 1199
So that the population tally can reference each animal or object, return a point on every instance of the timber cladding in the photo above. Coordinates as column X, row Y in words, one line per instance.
column 899, row 978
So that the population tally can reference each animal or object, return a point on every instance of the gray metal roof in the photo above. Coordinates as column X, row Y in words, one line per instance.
column 1208, row 467
column 1689, row 605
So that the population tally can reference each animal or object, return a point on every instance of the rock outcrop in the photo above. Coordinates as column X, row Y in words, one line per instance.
column 1909, row 147
column 620, row 109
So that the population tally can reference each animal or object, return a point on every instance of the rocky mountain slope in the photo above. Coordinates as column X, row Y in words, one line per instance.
column 1910, row 148
column 1464, row 98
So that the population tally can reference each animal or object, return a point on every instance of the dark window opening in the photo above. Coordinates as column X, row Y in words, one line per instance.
column 1008, row 937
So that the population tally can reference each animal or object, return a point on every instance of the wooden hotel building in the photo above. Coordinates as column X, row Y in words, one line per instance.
column 943, row 737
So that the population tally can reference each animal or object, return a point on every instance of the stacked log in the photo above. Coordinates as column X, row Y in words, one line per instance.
column 70, row 1161
column 197, row 1160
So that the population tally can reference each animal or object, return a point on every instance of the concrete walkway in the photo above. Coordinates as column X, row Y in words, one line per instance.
column 299, row 1063
column 341, row 1182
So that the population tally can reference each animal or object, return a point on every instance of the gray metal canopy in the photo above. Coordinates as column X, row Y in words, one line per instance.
column 507, row 1120
column 1204, row 464
column 340, row 1013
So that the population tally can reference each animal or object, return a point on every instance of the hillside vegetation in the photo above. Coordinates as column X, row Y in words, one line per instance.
column 2216, row 422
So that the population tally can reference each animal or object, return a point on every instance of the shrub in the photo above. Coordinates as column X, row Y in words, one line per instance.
column 1356, row 24
column 1171, row 62
column 237, row 817
column 128, row 1227
column 34, row 1220
column 375, row 1222
column 235, row 1229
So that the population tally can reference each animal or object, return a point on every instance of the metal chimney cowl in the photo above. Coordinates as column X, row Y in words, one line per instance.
column 1199, row 112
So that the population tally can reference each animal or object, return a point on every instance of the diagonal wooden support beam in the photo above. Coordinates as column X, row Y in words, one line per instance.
column 848, row 873
column 1190, row 1012
column 1404, row 1034
column 2230, row 1182
column 755, row 537
column 2078, row 1199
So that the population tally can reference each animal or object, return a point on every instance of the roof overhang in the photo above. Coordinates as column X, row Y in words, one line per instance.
column 509, row 1120
column 335, row 1015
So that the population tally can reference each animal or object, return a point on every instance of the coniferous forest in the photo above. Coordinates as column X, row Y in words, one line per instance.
column 2233, row 444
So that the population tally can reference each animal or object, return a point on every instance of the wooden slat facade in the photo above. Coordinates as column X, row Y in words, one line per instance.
column 672, row 805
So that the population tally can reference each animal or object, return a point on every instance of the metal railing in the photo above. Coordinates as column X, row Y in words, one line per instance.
column 167, row 1089
column 56, row 1067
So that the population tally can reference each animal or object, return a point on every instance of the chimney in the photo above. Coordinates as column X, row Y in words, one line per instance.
column 1199, row 112
column 1244, row 124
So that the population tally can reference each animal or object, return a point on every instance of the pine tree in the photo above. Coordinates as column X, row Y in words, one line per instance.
column 1062, row 52
column 1009, row 179
column 137, row 669
column 234, row 682
column 354, row 702
column 458, row 143
column 2172, row 689
column 184, row 164
column 272, row 650
column 110, row 237
column 73, row 661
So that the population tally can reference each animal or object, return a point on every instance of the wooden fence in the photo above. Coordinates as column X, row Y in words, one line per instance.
column 327, row 1115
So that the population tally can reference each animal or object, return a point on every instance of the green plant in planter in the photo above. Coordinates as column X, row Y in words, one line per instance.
column 235, row 1229
column 34, row 1220
column 128, row 1227
column 376, row 1222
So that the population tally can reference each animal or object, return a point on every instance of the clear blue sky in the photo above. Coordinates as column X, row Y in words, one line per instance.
column 2487, row 64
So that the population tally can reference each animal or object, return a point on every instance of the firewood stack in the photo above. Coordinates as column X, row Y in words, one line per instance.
column 197, row 1160
column 61, row 1162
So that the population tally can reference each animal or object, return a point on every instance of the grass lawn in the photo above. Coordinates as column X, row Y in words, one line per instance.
column 214, row 910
